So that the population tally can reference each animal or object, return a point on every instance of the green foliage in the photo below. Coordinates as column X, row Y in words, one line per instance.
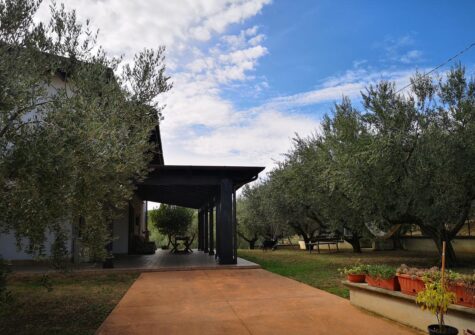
column 59, row 252
column 172, row 220
column 257, row 214
column 381, row 271
column 356, row 269
column 435, row 298
column 468, row 280
column 400, row 159
column 46, row 282
column 74, row 126
column 5, row 294
column 155, row 235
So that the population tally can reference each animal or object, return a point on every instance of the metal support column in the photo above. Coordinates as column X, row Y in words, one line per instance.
column 200, row 230
column 226, row 230
column 218, row 228
column 205, row 230
column 235, row 239
column 211, row 230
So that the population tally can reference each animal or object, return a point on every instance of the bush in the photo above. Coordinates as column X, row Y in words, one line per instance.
column 414, row 272
column 357, row 269
column 172, row 220
column 435, row 298
column 59, row 258
column 5, row 295
column 381, row 271
column 464, row 279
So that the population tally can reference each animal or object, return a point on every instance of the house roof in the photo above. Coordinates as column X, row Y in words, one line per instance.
column 192, row 186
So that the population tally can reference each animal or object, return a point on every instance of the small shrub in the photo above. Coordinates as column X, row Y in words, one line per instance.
column 435, row 298
column 414, row 272
column 464, row 279
column 59, row 253
column 46, row 282
column 357, row 269
column 5, row 294
column 381, row 271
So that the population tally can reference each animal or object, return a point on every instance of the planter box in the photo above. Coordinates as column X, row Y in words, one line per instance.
column 464, row 295
column 388, row 284
column 402, row 308
column 353, row 278
column 410, row 285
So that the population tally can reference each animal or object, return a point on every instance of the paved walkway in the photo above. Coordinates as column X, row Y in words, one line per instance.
column 238, row 301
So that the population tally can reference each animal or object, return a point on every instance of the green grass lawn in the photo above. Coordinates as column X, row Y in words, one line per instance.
column 77, row 304
column 321, row 270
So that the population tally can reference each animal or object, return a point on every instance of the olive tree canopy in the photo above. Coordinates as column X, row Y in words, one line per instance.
column 74, row 126
column 172, row 220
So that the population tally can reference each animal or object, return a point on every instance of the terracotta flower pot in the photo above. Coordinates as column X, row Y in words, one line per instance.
column 391, row 284
column 410, row 285
column 464, row 295
column 356, row 278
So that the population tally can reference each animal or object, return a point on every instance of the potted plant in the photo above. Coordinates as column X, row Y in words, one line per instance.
column 382, row 276
column 355, row 273
column 410, row 278
column 464, row 288
column 436, row 298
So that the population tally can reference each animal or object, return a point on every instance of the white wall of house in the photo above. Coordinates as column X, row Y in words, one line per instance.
column 120, row 230
column 9, row 250
column 120, row 244
column 139, row 211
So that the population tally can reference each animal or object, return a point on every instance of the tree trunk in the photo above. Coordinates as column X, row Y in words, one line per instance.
column 450, row 257
column 397, row 243
column 355, row 243
column 307, row 240
column 438, row 237
column 251, row 241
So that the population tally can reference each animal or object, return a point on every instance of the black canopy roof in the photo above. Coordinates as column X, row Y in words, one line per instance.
column 192, row 186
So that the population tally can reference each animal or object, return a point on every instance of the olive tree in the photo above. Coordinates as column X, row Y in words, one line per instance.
column 74, row 147
column 171, row 220
column 412, row 163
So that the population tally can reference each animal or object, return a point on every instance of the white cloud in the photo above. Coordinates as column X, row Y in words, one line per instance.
column 400, row 49
column 127, row 26
column 350, row 84
column 411, row 57
column 260, row 135
column 201, row 126
column 253, row 139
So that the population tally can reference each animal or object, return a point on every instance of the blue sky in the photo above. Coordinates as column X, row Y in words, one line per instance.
column 309, row 41
column 249, row 74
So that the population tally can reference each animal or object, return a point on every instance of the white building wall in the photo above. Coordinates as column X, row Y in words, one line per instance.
column 120, row 230
column 9, row 250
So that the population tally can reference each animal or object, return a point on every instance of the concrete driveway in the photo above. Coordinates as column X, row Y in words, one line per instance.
column 237, row 301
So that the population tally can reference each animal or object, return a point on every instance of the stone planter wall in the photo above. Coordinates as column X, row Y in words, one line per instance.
column 402, row 308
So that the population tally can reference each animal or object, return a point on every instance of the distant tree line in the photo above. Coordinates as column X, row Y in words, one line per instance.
column 396, row 159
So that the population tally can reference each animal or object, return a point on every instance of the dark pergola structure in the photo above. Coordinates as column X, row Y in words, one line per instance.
column 210, row 189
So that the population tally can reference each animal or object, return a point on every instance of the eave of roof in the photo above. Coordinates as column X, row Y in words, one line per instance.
column 191, row 185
